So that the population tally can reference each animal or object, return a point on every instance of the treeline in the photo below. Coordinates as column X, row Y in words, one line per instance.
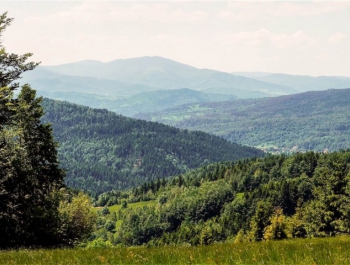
column 104, row 151
column 311, row 121
column 277, row 197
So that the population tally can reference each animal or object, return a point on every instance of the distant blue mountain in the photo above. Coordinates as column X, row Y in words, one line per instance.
column 161, row 73
column 303, row 83
column 149, row 84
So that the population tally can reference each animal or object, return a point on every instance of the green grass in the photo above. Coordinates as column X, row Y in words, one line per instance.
column 115, row 208
column 240, row 195
column 302, row 251
column 118, row 224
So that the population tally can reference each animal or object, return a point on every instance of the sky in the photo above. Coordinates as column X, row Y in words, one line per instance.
column 293, row 37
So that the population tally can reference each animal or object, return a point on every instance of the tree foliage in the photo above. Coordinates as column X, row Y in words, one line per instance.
column 302, row 195
column 278, row 226
column 28, row 160
column 311, row 121
column 77, row 219
column 103, row 151
column 30, row 175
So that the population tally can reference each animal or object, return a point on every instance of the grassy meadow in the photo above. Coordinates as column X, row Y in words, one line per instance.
column 117, row 207
column 300, row 251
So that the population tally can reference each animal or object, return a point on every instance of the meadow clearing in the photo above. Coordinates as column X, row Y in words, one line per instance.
column 299, row 251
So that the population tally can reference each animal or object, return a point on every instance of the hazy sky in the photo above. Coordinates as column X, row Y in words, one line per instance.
column 311, row 38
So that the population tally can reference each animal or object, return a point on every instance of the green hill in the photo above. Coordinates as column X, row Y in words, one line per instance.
column 306, row 121
column 138, row 103
column 102, row 150
column 271, row 198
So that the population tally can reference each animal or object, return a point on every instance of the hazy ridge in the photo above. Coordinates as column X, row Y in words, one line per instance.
column 307, row 121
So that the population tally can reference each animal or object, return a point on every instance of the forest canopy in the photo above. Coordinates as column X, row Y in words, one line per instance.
column 271, row 198
column 103, row 151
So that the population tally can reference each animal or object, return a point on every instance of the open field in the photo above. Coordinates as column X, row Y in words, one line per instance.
column 301, row 251
column 117, row 207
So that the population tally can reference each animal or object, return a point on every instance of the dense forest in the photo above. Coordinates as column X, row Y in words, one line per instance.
column 102, row 151
column 302, row 122
column 276, row 197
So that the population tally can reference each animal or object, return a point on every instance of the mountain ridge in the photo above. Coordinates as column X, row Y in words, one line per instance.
column 164, row 73
column 139, row 103
column 315, row 120
column 103, row 151
column 303, row 83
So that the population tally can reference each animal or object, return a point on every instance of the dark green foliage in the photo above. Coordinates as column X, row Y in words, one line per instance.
column 308, row 121
column 104, row 151
column 105, row 211
column 260, row 220
column 303, row 195
column 35, row 209
column 109, row 226
column 29, row 169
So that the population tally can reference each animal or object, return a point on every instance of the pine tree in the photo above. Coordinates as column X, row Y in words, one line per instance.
column 29, row 168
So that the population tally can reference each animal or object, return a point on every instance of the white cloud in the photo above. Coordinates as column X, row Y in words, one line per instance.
column 336, row 38
column 249, row 10
column 107, row 12
column 308, row 8
column 263, row 36
column 299, row 39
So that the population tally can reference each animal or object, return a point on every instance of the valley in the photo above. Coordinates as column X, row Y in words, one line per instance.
column 253, row 109
column 219, row 136
column 316, row 120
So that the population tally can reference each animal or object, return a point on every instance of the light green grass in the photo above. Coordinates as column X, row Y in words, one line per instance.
column 240, row 195
column 118, row 224
column 302, row 251
column 115, row 208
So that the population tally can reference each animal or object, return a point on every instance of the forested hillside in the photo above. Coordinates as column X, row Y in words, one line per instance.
column 277, row 197
column 138, row 103
column 102, row 150
column 306, row 121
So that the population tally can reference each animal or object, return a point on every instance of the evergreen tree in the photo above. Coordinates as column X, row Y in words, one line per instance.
column 29, row 168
